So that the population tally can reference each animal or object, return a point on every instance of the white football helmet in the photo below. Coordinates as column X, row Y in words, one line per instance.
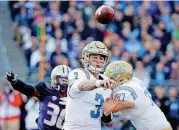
column 119, row 71
column 59, row 78
column 94, row 47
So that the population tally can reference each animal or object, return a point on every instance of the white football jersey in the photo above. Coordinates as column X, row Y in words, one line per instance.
column 83, row 108
column 146, row 115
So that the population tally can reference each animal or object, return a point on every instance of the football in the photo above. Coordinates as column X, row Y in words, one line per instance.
column 104, row 14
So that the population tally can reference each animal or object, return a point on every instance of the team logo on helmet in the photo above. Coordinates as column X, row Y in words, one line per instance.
column 120, row 71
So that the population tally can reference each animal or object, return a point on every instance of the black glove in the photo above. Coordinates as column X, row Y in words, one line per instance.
column 11, row 77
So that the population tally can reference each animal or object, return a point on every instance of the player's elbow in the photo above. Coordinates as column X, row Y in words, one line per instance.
column 82, row 87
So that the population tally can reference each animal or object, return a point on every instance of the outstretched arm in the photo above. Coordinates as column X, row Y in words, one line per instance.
column 79, row 79
column 26, row 89
column 88, row 85
column 20, row 86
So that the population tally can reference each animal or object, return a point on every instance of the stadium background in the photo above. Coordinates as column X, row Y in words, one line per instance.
column 146, row 34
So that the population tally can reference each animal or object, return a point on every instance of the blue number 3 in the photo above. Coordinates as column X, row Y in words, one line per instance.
column 96, row 113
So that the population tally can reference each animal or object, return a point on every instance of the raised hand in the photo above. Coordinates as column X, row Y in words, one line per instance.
column 109, row 104
column 114, row 105
column 11, row 77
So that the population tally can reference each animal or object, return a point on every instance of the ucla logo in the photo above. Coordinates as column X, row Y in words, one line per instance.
column 119, row 70
column 100, row 52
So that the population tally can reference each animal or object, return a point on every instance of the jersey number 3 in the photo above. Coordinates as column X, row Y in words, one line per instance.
column 55, row 119
column 96, row 113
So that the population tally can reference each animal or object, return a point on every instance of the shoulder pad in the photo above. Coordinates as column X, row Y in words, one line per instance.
column 43, row 87
column 48, row 85
column 126, row 90
column 79, row 74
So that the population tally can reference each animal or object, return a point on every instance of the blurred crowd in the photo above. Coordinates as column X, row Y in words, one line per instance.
column 146, row 34
column 17, row 112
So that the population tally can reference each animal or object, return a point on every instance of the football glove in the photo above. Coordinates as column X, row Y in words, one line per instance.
column 11, row 77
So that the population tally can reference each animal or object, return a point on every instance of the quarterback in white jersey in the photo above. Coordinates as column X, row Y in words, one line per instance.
column 88, row 90
column 145, row 115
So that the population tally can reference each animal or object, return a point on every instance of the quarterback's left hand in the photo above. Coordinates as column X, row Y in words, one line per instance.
column 114, row 105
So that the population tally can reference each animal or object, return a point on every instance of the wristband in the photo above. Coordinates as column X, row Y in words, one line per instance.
column 107, row 119
column 97, row 83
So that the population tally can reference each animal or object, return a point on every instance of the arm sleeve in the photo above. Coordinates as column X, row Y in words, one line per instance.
column 75, row 77
column 39, row 90
column 26, row 89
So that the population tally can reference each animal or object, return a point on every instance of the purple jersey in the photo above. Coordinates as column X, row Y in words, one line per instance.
column 52, row 112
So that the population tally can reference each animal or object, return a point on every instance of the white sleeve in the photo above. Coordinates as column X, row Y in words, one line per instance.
column 75, row 77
